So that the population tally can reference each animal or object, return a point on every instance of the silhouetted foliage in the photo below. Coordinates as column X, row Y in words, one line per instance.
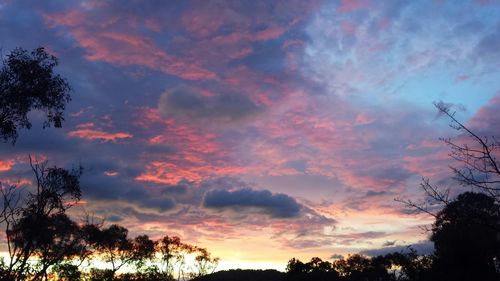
column 466, row 232
column 204, row 263
column 410, row 266
column 44, row 243
column 391, row 267
column 36, row 223
column 243, row 275
column 172, row 255
column 66, row 272
column 28, row 82
column 479, row 167
column 466, row 239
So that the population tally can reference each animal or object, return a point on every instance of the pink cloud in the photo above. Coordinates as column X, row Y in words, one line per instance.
column 127, row 49
column 153, row 25
column 363, row 118
column 202, row 23
column 199, row 154
column 486, row 118
column 430, row 165
column 460, row 78
column 239, row 54
column 269, row 33
column 87, row 131
column 264, row 35
column 111, row 173
column 348, row 27
column 352, row 5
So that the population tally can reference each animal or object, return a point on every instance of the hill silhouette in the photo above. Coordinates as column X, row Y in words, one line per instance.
column 243, row 275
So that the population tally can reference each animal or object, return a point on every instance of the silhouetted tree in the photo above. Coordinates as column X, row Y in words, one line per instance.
column 466, row 239
column 204, row 263
column 36, row 223
column 410, row 266
column 66, row 272
column 28, row 82
column 143, row 251
column 358, row 267
column 171, row 252
column 113, row 246
column 315, row 269
column 296, row 267
column 466, row 232
column 479, row 166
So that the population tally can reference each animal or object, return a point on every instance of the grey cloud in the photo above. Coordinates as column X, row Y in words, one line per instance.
column 375, row 193
column 336, row 257
column 488, row 47
column 184, row 101
column 389, row 243
column 422, row 248
column 470, row 27
column 361, row 235
column 101, row 187
column 307, row 243
column 299, row 165
column 276, row 205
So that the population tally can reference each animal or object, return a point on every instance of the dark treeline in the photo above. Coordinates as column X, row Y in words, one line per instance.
column 44, row 243
column 467, row 247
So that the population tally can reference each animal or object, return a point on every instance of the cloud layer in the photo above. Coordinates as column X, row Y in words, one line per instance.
column 291, row 124
column 277, row 205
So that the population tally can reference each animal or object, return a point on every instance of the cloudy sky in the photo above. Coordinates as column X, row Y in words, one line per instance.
column 262, row 130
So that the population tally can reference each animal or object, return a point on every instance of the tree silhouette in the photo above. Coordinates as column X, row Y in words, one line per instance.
column 28, row 82
column 36, row 223
column 412, row 267
column 477, row 166
column 171, row 253
column 204, row 262
column 143, row 250
column 391, row 267
column 113, row 245
column 466, row 241
column 66, row 272
column 315, row 269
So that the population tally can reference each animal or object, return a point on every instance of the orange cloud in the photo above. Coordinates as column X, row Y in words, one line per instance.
column 6, row 165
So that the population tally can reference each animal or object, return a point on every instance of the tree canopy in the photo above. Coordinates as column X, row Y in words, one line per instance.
column 466, row 241
column 28, row 82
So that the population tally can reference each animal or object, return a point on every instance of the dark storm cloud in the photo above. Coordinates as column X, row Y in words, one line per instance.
column 276, row 205
column 187, row 102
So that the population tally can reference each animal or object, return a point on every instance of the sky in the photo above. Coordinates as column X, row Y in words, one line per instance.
column 262, row 130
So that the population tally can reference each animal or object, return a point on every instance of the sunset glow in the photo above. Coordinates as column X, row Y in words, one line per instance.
column 260, row 130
